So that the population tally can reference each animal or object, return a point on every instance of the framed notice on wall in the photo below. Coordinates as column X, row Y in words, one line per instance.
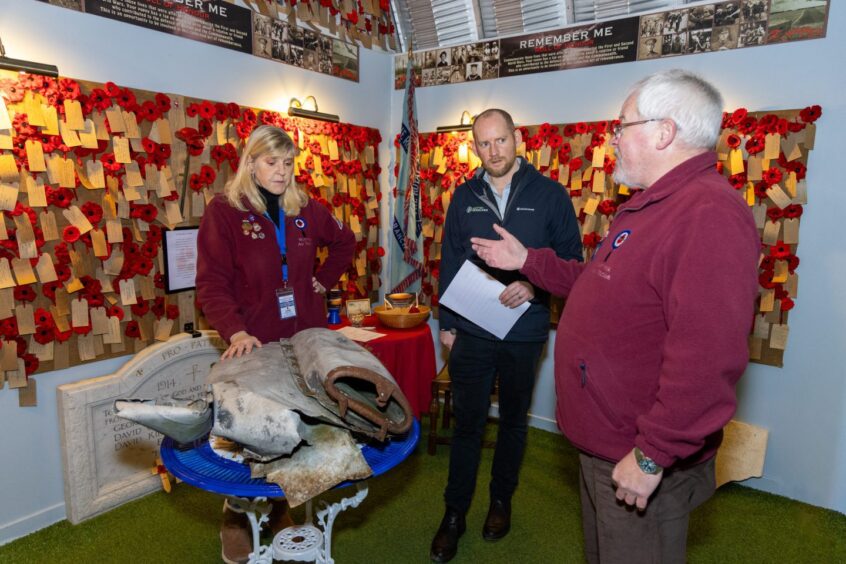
column 180, row 257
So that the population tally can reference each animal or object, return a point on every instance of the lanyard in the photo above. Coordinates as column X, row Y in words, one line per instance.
column 280, row 238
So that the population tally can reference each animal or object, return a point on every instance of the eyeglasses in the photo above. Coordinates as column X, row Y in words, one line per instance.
column 617, row 130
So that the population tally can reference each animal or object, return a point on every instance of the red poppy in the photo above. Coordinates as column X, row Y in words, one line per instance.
column 148, row 213
column 126, row 98
column 772, row 176
column 810, row 114
column 793, row 211
column 206, row 110
column 775, row 214
column 204, row 127
column 9, row 327
column 140, row 308
column 149, row 145
column 208, row 174
column 93, row 212
column 30, row 363
column 43, row 334
column 792, row 263
column 765, row 279
column 115, row 311
column 25, row 293
column 158, row 307
column 162, row 102
column 780, row 250
column 172, row 311
column 733, row 141
column 591, row 240
column 739, row 115
column 61, row 198
column 767, row 263
column 70, row 234
column 43, row 317
column 149, row 111
column 606, row 207
column 112, row 89
column 132, row 330
column 755, row 144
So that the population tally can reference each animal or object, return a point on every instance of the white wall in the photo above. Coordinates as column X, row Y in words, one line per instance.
column 93, row 48
column 803, row 404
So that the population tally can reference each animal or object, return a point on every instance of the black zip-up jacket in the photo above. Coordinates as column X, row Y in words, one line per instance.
column 538, row 213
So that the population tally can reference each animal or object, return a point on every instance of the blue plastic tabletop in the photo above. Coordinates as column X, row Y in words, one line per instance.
column 198, row 465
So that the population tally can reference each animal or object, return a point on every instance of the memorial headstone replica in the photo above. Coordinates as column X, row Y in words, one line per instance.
column 107, row 459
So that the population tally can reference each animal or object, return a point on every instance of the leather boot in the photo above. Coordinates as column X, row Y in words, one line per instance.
column 445, row 543
column 498, row 521
column 279, row 517
column 236, row 537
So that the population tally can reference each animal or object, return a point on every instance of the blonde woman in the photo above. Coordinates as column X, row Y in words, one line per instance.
column 256, row 275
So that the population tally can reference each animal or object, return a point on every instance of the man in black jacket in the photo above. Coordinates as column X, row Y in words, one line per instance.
column 510, row 192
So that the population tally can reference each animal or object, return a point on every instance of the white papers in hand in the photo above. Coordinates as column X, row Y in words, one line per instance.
column 474, row 294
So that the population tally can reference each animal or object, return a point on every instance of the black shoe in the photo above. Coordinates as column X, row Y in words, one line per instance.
column 498, row 521
column 445, row 543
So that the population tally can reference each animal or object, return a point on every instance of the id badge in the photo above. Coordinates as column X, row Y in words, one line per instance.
column 285, row 300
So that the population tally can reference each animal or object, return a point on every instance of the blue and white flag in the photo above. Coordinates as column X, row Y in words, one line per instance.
column 407, row 242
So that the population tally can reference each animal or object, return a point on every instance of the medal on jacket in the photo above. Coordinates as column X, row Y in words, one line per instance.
column 251, row 228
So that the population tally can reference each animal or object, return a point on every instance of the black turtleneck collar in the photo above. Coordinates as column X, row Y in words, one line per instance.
column 271, row 202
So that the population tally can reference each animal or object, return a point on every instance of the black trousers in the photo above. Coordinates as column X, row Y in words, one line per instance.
column 473, row 365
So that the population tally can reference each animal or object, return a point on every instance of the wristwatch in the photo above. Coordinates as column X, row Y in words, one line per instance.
column 646, row 464
column 452, row 331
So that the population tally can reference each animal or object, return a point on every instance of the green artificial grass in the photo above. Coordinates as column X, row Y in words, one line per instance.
column 397, row 520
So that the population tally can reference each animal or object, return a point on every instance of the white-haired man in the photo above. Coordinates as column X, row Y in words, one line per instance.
column 653, row 336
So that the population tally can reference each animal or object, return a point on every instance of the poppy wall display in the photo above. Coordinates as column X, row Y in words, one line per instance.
column 763, row 155
column 92, row 176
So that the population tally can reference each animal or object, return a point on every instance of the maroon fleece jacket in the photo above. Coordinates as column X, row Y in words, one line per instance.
column 653, row 337
column 237, row 275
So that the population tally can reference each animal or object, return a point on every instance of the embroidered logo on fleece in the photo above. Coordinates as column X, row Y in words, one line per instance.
column 476, row 209
column 525, row 209
column 621, row 238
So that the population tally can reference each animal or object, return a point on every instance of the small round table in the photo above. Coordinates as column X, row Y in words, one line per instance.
column 198, row 465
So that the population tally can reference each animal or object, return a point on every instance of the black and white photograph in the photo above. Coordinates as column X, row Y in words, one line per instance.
column 700, row 41
column 752, row 33
column 726, row 13
column 724, row 38
column 674, row 44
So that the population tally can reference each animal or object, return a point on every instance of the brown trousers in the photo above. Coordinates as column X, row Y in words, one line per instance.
column 615, row 532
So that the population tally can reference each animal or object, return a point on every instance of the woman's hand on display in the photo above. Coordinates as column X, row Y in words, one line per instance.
column 240, row 343
column 318, row 287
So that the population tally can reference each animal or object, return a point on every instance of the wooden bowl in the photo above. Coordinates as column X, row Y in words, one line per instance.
column 400, row 318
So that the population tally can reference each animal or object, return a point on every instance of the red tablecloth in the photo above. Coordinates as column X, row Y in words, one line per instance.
column 409, row 355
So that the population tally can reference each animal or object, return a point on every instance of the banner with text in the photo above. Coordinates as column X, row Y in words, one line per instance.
column 712, row 27
column 220, row 23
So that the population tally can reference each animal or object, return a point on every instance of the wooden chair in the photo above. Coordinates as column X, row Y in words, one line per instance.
column 442, row 390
